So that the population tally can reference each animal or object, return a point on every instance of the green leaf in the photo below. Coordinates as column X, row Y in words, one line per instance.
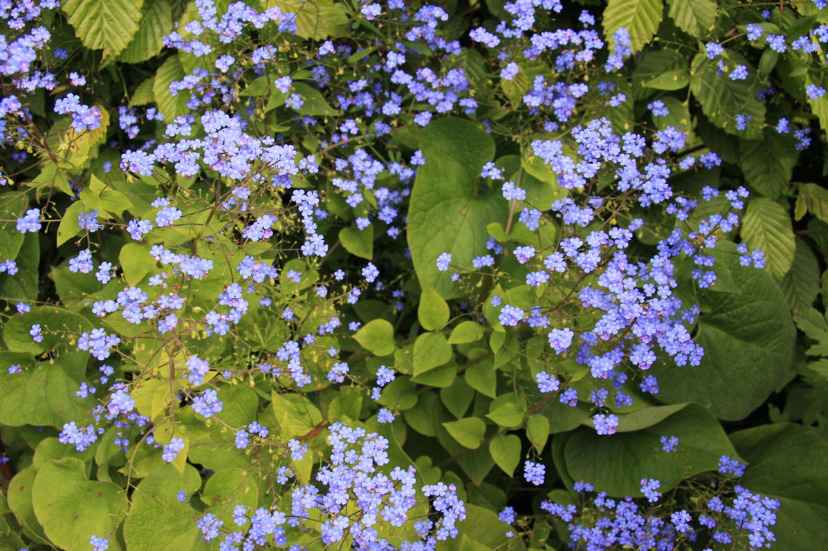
column 16, row 331
column 43, row 393
column 156, row 23
column 748, row 338
column 469, row 432
column 377, row 337
column 457, row 397
column 814, row 199
column 481, row 377
column 722, row 98
column 430, row 350
column 315, row 104
column 483, row 530
column 143, row 94
column 69, row 227
column 157, row 521
column 641, row 18
column 106, row 25
column 68, row 520
column 537, row 430
column 789, row 463
column 450, row 206
column 169, row 105
column 227, row 488
column 505, row 450
column 136, row 262
column 508, row 415
column 646, row 417
column 801, row 283
column 767, row 226
column 358, row 242
column 696, row 17
column 433, row 311
column 768, row 164
column 20, row 502
column 296, row 414
column 702, row 441
column 466, row 332
column 317, row 20
column 662, row 70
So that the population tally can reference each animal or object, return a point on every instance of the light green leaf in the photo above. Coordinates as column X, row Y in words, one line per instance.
column 43, row 393
column 767, row 226
column 430, row 350
column 696, row 17
column 377, row 337
column 481, row 377
column 157, row 521
column 469, row 432
column 450, row 207
column 433, row 311
column 106, row 25
column 466, row 332
column 358, row 242
column 317, row 20
column 768, row 164
column 67, row 520
column 508, row 415
column 20, row 502
column 641, row 18
column 505, row 450
column 136, row 262
column 169, row 105
column 227, row 488
column 156, row 23
column 537, row 430
column 69, row 227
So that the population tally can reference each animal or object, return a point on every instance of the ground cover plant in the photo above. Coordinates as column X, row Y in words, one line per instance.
column 462, row 275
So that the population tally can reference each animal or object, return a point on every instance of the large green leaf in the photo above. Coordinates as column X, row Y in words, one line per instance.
column 812, row 198
column 449, row 208
column 72, row 508
column 505, row 450
column 169, row 105
column 789, row 463
column 641, row 18
column 43, row 393
column 16, row 331
column 748, row 337
column 228, row 488
column 661, row 70
column 20, row 502
column 317, row 20
column 468, row 432
column 377, row 337
column 801, row 283
column 106, row 25
column 637, row 455
column 722, row 99
column 156, row 23
column 768, row 164
column 433, row 311
column 157, row 520
column 767, row 226
column 695, row 17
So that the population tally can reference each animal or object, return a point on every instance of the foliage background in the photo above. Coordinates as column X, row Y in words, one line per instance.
column 467, row 407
